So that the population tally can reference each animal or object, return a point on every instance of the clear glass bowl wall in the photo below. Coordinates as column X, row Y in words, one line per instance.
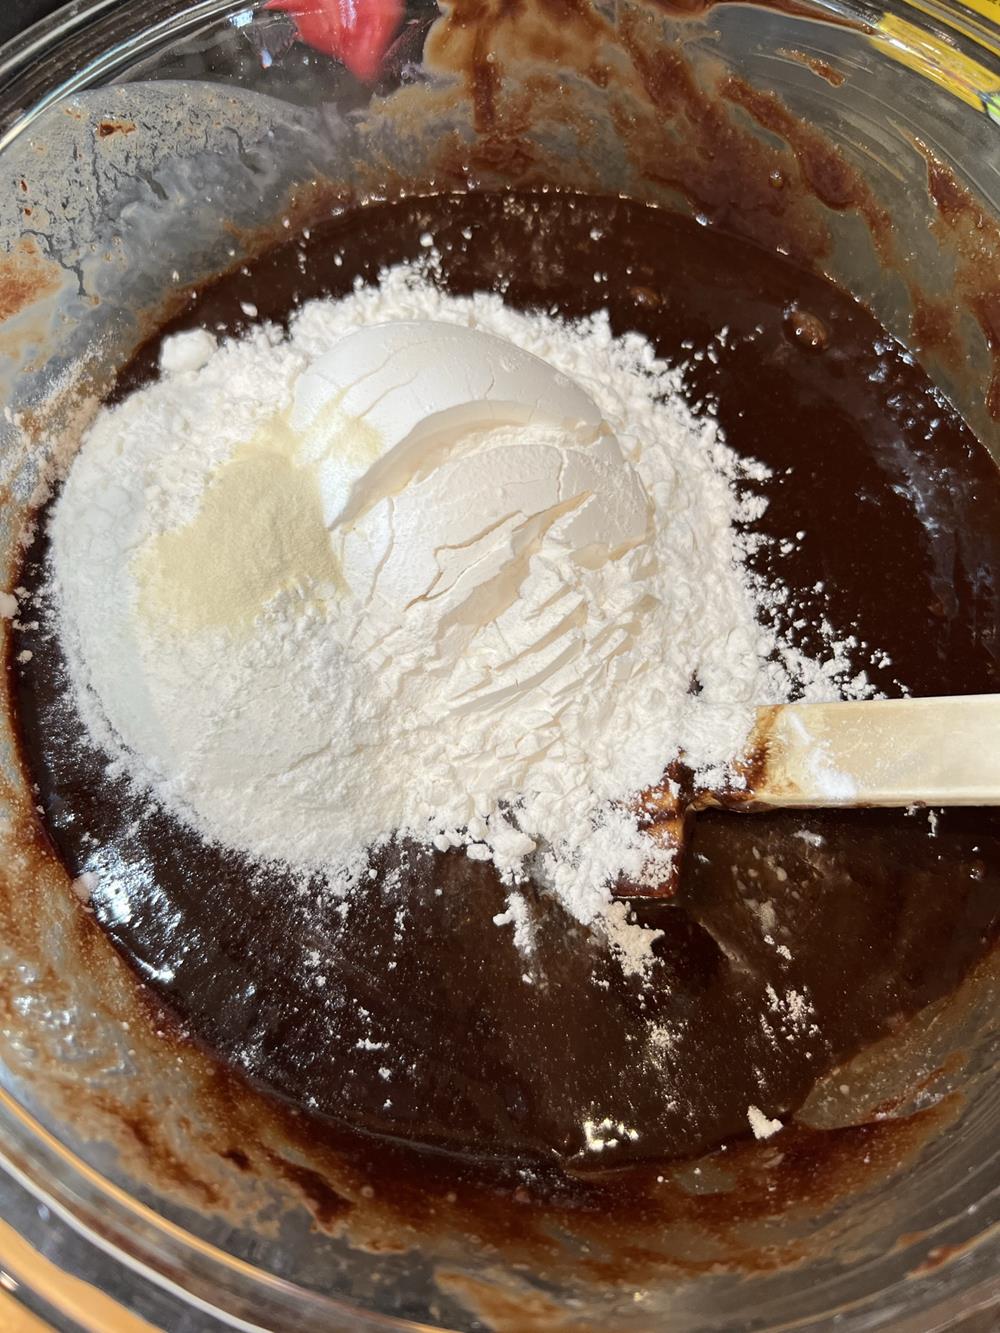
column 220, row 125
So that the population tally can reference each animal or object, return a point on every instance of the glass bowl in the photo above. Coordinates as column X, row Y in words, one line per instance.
column 148, row 144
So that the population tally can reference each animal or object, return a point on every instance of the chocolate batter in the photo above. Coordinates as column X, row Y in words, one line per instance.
column 795, row 939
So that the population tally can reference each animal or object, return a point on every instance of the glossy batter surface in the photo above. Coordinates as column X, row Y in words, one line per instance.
column 795, row 939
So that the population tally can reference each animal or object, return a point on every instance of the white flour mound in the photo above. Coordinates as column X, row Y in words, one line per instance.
column 291, row 731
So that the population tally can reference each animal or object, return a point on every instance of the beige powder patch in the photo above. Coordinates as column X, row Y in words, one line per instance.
column 259, row 532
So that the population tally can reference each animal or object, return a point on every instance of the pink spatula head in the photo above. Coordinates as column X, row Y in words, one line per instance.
column 355, row 32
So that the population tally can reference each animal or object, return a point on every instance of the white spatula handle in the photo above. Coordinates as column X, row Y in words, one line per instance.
column 894, row 752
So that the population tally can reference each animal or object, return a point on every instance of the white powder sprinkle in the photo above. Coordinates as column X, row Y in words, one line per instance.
column 607, row 1133
column 84, row 885
column 809, row 837
column 521, row 726
column 762, row 1127
column 518, row 915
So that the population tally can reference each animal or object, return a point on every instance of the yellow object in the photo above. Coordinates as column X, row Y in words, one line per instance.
column 81, row 1303
column 935, row 59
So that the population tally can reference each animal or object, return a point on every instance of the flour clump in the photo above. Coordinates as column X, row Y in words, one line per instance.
column 425, row 566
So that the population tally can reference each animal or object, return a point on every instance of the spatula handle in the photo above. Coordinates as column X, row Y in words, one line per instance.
column 893, row 752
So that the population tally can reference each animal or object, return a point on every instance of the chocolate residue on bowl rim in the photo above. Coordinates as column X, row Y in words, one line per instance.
column 34, row 883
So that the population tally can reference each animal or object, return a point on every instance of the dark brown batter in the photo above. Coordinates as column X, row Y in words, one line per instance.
column 424, row 1028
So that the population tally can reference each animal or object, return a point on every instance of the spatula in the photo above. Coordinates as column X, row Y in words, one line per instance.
column 893, row 752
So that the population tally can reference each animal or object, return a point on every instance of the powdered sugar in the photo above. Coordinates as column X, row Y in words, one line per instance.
column 292, row 732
